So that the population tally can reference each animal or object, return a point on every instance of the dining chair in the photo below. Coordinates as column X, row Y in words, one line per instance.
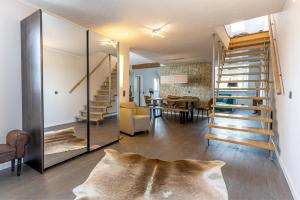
column 204, row 107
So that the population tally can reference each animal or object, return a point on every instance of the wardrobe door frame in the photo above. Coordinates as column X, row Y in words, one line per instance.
column 32, row 88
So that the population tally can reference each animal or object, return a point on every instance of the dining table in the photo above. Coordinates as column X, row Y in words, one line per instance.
column 188, row 102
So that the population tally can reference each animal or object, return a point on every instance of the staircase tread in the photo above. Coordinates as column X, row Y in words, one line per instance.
column 93, row 119
column 246, row 48
column 243, row 66
column 240, row 81
column 249, row 43
column 232, row 55
column 244, row 60
column 252, row 143
column 102, row 101
column 241, row 117
column 241, row 128
column 100, row 107
column 94, row 113
column 224, row 89
column 104, row 95
column 107, row 90
column 243, row 97
column 243, row 107
column 246, row 73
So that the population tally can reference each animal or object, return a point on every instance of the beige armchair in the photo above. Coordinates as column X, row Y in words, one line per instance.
column 134, row 119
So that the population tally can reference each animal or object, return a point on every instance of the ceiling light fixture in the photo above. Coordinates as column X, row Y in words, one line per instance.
column 157, row 32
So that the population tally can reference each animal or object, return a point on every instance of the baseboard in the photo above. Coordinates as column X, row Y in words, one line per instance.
column 287, row 177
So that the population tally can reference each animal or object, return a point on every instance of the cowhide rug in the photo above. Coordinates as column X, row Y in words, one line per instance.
column 129, row 176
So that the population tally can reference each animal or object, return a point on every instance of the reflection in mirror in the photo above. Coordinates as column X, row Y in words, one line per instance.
column 65, row 89
column 104, row 101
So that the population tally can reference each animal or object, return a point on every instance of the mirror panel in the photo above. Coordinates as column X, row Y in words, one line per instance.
column 103, row 91
column 64, row 89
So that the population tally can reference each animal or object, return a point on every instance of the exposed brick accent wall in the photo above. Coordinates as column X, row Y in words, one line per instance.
column 199, row 80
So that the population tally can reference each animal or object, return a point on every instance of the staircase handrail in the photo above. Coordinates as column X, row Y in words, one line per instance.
column 277, row 76
column 85, row 76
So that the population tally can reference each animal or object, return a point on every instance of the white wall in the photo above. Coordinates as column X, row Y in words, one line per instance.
column 288, row 31
column 62, row 71
column 11, row 12
column 222, row 34
column 124, row 50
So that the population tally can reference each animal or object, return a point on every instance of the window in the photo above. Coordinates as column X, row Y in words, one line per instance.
column 238, row 27
column 156, row 85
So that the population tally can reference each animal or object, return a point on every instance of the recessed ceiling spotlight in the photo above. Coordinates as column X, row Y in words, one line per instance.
column 157, row 32
column 109, row 43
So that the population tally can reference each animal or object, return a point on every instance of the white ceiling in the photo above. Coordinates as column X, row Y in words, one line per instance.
column 138, row 59
column 190, row 22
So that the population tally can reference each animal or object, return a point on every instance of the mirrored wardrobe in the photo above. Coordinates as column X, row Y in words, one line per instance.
column 70, row 93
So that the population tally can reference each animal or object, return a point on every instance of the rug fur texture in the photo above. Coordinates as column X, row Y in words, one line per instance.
column 129, row 176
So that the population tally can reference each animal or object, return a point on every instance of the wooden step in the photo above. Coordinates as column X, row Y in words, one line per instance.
column 232, row 55
column 246, row 89
column 94, row 113
column 243, row 66
column 251, row 143
column 250, row 37
column 261, row 41
column 243, row 97
column 100, row 107
column 247, row 48
column 108, row 86
column 241, row 129
column 112, row 90
column 244, row 107
column 92, row 119
column 241, row 117
column 105, row 95
column 246, row 73
column 102, row 101
column 243, row 81
column 245, row 60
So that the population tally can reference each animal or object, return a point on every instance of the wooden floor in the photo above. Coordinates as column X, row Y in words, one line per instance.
column 248, row 174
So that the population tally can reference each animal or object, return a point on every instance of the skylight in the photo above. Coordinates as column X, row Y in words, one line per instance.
column 250, row 26
column 239, row 26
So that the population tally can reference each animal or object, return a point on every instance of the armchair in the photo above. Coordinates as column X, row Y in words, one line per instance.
column 133, row 118
column 14, row 148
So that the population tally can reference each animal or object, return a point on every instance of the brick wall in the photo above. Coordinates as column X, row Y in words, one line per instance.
column 199, row 80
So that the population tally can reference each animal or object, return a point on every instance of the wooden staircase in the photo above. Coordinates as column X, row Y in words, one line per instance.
column 101, row 104
column 245, row 63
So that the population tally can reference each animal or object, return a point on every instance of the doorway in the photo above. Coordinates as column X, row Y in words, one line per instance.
column 138, row 90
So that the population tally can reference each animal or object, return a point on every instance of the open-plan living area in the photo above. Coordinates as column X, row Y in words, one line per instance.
column 149, row 100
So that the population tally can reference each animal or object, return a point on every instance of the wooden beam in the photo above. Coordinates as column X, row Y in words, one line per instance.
column 146, row 65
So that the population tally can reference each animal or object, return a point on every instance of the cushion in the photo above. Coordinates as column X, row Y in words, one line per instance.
column 120, row 176
column 7, row 153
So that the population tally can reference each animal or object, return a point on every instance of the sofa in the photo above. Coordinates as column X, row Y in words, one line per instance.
column 134, row 119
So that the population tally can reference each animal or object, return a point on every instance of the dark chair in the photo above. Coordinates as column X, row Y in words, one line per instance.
column 206, row 107
column 14, row 148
